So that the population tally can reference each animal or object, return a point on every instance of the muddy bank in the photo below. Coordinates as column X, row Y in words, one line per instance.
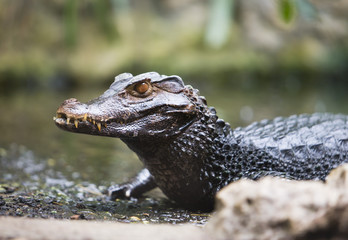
column 30, row 187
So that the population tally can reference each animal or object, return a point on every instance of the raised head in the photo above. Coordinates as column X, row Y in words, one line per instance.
column 145, row 105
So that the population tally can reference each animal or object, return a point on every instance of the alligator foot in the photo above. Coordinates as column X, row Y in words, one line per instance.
column 141, row 183
column 120, row 191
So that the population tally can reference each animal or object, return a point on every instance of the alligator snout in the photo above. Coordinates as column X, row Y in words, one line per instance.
column 74, row 113
column 72, row 108
column 70, row 101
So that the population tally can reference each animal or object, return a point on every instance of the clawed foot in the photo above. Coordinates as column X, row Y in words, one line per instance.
column 140, row 184
column 121, row 191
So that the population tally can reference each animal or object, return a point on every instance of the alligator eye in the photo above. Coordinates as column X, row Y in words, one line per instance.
column 141, row 87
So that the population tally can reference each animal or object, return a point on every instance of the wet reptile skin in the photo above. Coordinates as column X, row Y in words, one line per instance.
column 189, row 153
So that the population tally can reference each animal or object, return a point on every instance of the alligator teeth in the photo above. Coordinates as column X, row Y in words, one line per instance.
column 80, row 119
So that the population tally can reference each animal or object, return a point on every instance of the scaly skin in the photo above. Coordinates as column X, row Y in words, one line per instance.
column 189, row 153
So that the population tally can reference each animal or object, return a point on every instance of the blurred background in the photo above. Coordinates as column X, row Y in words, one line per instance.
column 252, row 59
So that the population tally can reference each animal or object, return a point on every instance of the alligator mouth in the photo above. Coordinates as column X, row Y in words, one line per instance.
column 64, row 119
column 126, row 124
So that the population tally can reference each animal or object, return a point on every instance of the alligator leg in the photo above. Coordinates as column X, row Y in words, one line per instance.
column 140, row 184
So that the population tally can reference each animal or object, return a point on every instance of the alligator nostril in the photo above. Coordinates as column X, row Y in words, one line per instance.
column 70, row 100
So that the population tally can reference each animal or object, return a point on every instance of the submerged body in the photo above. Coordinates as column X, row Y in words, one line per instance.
column 189, row 153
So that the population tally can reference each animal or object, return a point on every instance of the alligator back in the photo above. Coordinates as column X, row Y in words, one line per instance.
column 305, row 146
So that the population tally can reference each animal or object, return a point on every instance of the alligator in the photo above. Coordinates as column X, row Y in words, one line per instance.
column 190, row 153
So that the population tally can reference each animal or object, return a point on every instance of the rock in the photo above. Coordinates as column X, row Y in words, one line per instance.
column 274, row 208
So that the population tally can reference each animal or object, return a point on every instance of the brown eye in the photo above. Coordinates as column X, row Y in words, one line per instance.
column 141, row 87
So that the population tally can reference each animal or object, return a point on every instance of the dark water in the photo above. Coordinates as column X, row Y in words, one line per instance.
column 26, row 124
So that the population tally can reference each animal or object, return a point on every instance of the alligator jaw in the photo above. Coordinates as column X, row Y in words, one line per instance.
column 77, row 117
column 73, row 123
column 90, row 124
column 117, row 127
column 74, row 116
column 87, row 124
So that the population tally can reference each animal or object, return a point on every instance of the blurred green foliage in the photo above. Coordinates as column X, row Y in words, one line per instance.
column 290, row 9
column 61, row 43
column 70, row 13
column 287, row 10
column 219, row 23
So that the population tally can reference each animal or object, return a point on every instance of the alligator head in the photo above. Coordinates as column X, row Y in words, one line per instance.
column 145, row 105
